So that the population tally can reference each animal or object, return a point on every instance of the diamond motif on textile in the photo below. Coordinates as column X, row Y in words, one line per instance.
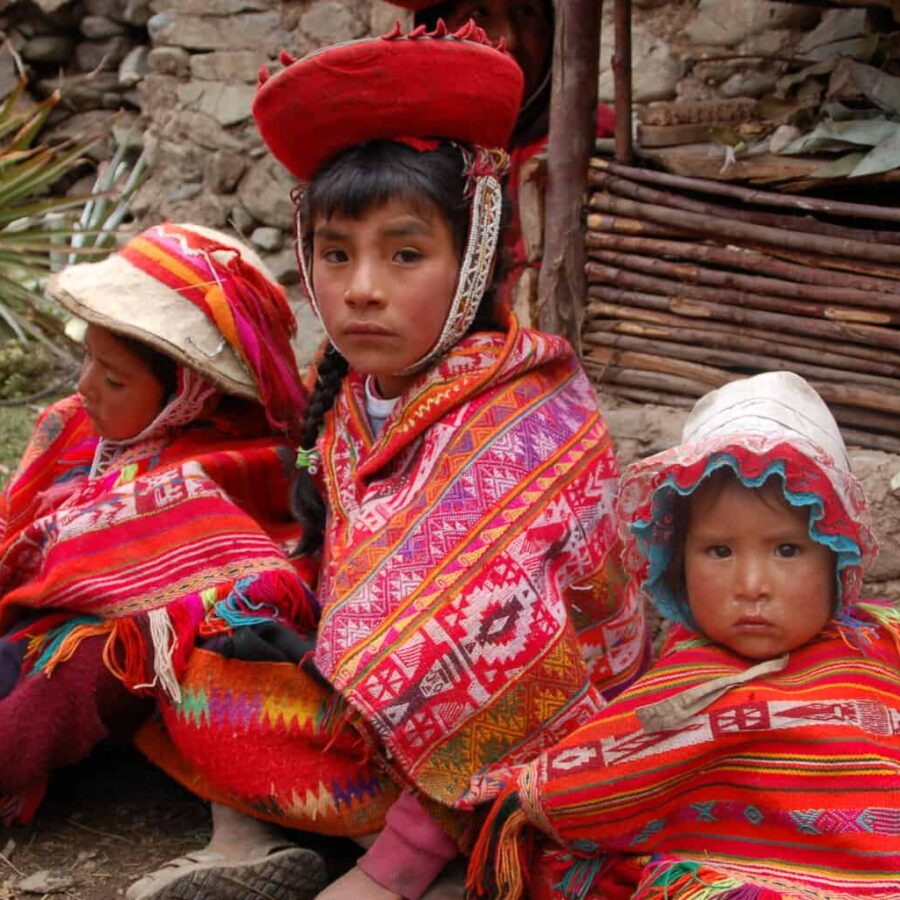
column 753, row 814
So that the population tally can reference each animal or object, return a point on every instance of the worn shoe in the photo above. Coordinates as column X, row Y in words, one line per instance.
column 285, row 872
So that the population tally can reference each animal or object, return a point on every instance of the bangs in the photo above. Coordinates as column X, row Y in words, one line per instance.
column 366, row 177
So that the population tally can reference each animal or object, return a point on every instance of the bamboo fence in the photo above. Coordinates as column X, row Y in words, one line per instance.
column 693, row 283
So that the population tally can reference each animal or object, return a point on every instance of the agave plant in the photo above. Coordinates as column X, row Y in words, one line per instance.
column 32, row 220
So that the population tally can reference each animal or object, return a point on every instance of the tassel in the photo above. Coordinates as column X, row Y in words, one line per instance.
column 125, row 652
column 689, row 880
column 498, row 865
column 887, row 615
column 580, row 877
column 165, row 640
column 65, row 642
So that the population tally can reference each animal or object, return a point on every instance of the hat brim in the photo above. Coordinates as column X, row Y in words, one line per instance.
column 115, row 295
column 424, row 87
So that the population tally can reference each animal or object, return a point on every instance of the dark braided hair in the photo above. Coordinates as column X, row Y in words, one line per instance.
column 351, row 184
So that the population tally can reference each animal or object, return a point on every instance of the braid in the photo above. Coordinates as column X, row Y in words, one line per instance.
column 308, row 504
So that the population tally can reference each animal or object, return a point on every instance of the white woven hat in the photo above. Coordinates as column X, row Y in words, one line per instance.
column 774, row 403
column 121, row 297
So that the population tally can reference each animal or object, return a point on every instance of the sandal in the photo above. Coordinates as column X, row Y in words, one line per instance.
column 284, row 873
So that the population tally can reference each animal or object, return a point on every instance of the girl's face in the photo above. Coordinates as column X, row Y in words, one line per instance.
column 119, row 392
column 756, row 581
column 384, row 283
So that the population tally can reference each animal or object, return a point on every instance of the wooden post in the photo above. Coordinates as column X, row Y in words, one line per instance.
column 573, row 103
column 621, row 66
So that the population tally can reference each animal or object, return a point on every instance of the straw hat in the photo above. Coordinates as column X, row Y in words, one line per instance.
column 117, row 295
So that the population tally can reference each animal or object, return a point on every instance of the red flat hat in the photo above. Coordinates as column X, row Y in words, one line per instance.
column 423, row 85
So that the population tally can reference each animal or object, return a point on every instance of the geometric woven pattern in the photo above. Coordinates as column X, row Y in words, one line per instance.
column 457, row 541
column 788, row 783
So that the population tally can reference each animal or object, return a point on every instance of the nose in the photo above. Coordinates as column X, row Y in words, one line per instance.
column 364, row 288
column 752, row 580
column 86, row 379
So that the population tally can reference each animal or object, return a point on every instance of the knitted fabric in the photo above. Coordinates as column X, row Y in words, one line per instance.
column 290, row 756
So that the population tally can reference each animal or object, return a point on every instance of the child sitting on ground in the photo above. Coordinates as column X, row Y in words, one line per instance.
column 760, row 756
column 157, row 489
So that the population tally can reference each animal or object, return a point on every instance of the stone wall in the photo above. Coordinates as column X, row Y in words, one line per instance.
column 749, row 40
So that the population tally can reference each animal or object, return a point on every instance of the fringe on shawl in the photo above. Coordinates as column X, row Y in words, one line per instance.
column 858, row 633
column 166, row 635
column 689, row 880
column 498, row 868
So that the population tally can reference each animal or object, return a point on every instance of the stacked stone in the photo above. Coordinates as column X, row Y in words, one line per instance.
column 745, row 36
column 208, row 163
column 93, row 51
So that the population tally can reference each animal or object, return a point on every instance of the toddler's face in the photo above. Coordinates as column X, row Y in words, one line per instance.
column 756, row 581
column 120, row 393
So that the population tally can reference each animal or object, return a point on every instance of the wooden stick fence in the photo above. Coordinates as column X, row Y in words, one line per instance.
column 693, row 283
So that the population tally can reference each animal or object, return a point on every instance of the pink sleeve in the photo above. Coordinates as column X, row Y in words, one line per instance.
column 410, row 852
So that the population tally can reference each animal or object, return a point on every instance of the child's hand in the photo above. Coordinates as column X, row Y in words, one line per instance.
column 354, row 886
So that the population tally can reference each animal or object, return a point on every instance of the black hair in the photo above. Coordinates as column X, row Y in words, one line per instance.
column 162, row 367
column 351, row 184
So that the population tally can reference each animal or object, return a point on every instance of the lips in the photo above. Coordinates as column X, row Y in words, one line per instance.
column 753, row 623
column 366, row 329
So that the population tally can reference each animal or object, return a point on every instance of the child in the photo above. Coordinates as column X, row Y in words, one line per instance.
column 455, row 481
column 157, row 489
column 760, row 756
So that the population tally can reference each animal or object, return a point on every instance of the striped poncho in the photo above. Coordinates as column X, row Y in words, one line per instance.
column 141, row 552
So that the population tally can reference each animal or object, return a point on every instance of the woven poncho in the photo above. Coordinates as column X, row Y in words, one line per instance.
column 469, row 618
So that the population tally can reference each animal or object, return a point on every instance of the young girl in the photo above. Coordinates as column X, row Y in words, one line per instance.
column 157, row 489
column 760, row 756
column 455, row 480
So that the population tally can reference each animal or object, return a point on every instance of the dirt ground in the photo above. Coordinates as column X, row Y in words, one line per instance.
column 103, row 824
column 107, row 822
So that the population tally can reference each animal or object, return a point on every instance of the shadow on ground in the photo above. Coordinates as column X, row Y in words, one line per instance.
column 105, row 823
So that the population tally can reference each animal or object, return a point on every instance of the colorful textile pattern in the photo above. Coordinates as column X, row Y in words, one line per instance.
column 454, row 544
column 248, row 309
column 787, row 786
column 713, row 776
column 298, row 763
column 143, row 551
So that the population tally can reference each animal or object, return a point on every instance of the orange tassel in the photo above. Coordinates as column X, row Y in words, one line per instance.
column 498, row 865
column 70, row 644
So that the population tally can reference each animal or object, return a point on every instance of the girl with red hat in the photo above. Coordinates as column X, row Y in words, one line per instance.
column 455, row 484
